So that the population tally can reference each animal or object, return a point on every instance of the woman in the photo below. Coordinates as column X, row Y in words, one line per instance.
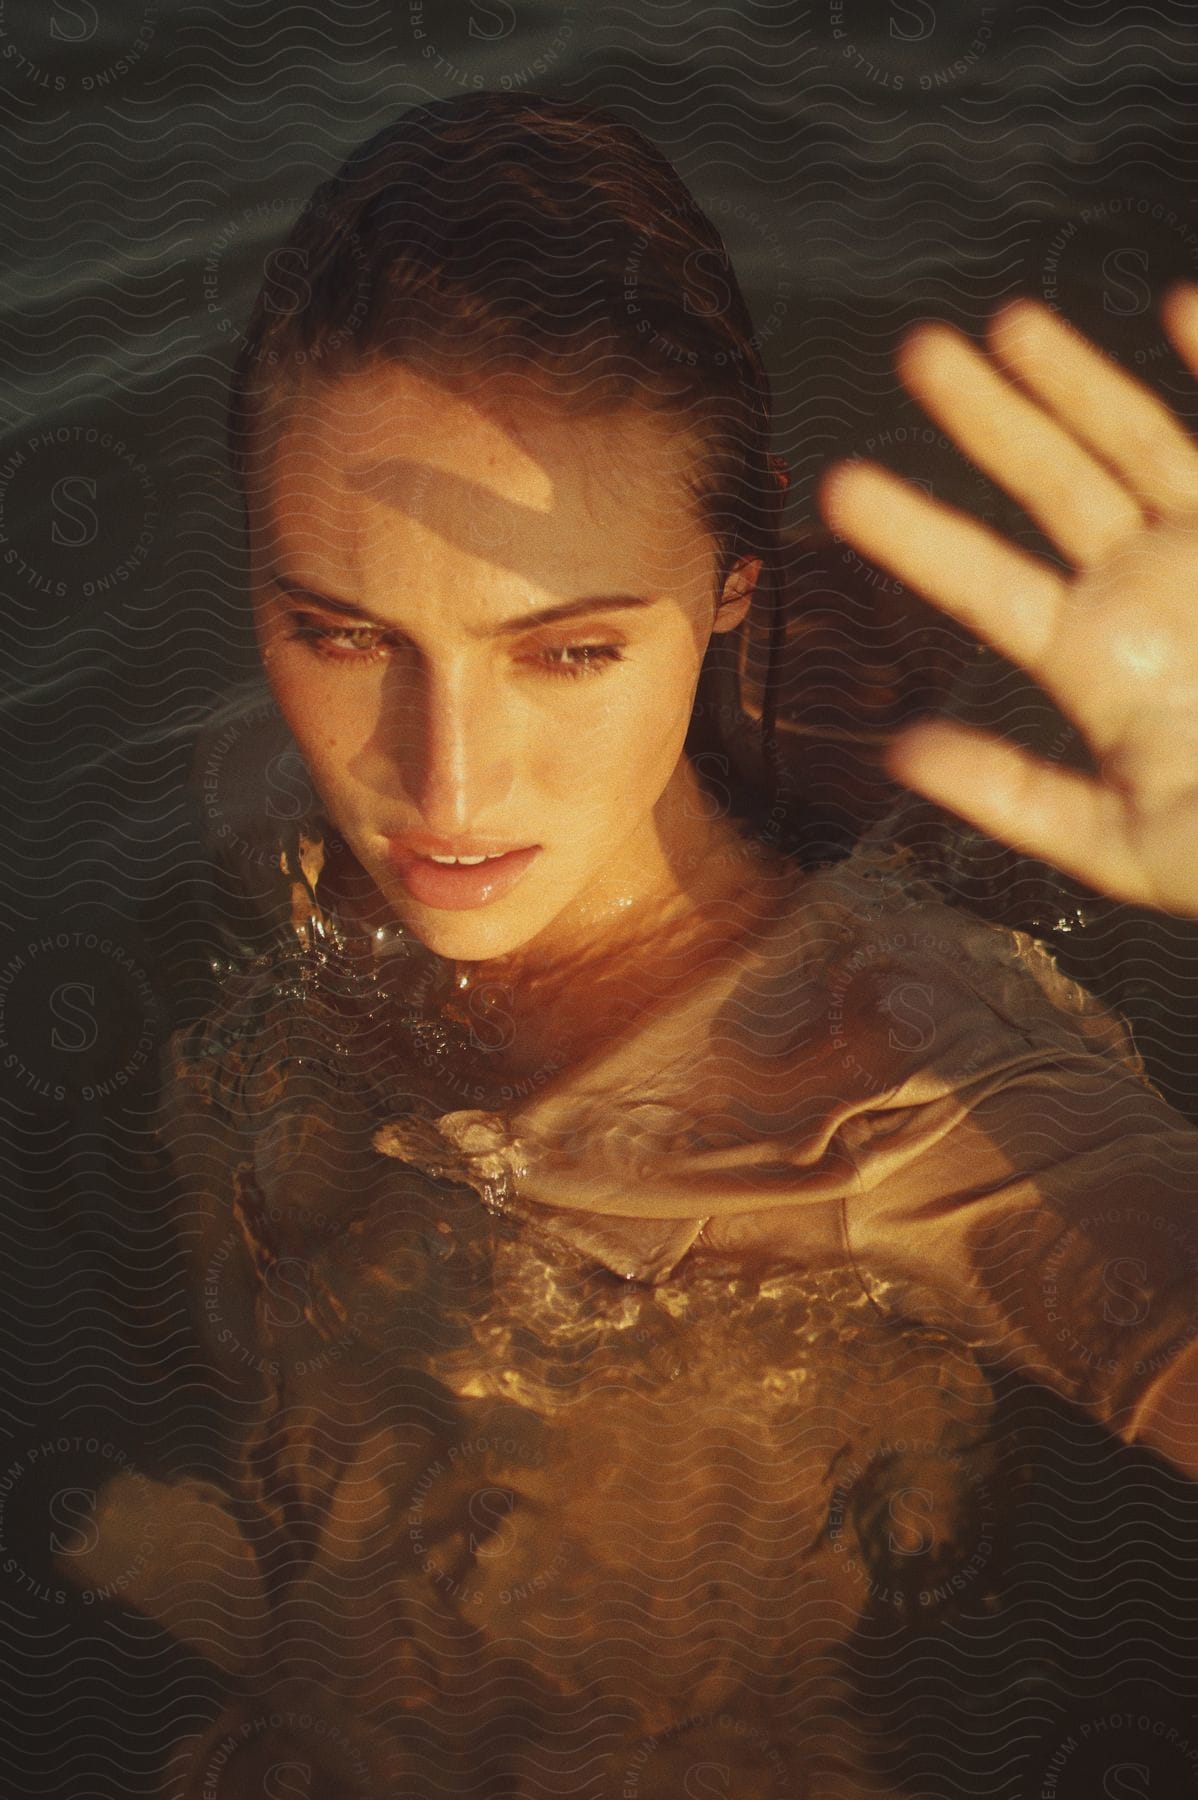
column 864, row 1166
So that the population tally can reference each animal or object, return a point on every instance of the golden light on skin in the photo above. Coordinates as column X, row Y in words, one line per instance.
column 441, row 515
column 1143, row 653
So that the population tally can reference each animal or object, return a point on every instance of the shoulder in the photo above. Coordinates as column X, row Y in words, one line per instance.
column 916, row 986
column 1019, row 1179
column 312, row 1042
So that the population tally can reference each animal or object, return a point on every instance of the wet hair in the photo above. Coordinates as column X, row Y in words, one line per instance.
column 514, row 235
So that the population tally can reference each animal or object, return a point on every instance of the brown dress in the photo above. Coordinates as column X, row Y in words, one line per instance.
column 591, row 1438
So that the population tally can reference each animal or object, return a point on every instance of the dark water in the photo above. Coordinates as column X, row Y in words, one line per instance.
column 870, row 165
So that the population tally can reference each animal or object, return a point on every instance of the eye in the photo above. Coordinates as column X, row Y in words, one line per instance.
column 584, row 659
column 346, row 643
column 367, row 643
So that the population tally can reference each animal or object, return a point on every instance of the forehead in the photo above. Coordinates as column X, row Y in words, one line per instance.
column 345, row 467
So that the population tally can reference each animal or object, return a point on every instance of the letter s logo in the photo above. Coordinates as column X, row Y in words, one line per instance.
column 288, row 1283
column 706, row 291
column 66, row 997
column 285, row 288
column 73, row 1507
column 1126, row 1781
column 1133, row 1295
column 288, row 790
column 1125, row 293
column 704, row 1781
column 287, row 1781
column 498, row 1027
column 88, row 27
column 920, row 15
column 490, row 1509
column 910, row 1005
column 496, row 11
column 911, row 1519
column 66, row 493
column 714, row 796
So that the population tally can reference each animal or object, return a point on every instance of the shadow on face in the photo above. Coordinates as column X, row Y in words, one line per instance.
column 484, row 618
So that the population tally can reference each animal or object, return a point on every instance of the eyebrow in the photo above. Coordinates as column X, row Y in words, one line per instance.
column 545, row 615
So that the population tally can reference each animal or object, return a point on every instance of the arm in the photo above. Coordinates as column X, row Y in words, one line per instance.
column 1060, row 1217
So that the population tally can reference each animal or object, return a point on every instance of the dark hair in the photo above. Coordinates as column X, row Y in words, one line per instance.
column 499, row 233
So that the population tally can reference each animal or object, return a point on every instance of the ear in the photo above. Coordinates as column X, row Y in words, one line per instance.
column 738, row 592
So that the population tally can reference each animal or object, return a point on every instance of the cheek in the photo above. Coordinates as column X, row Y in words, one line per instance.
column 328, row 721
column 620, row 746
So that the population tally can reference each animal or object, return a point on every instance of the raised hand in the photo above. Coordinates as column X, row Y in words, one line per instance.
column 1111, row 477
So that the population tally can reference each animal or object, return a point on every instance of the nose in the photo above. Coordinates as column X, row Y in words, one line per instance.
column 456, row 749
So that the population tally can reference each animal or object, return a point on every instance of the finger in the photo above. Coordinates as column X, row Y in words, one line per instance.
column 1122, row 422
column 1004, row 595
column 1179, row 309
column 1065, row 818
column 1082, row 507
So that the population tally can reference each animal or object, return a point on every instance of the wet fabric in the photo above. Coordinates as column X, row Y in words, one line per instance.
column 597, row 1435
column 889, row 1080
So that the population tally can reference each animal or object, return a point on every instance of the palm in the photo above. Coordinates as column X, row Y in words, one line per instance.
column 1112, row 478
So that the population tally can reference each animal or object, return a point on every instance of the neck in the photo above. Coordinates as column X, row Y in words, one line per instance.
column 688, row 877
column 695, row 879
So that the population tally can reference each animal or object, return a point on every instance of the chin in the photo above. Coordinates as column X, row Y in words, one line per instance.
column 464, row 937
column 473, row 934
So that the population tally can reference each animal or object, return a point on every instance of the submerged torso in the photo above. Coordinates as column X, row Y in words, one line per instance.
column 526, row 1522
column 610, row 1524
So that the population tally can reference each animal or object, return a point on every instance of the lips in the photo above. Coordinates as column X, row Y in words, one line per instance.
column 459, row 887
column 415, row 844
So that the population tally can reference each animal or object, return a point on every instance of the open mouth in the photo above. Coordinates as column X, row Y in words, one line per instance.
column 461, row 883
column 467, row 861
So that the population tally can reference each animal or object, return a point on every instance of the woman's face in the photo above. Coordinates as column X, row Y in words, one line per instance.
column 483, row 620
